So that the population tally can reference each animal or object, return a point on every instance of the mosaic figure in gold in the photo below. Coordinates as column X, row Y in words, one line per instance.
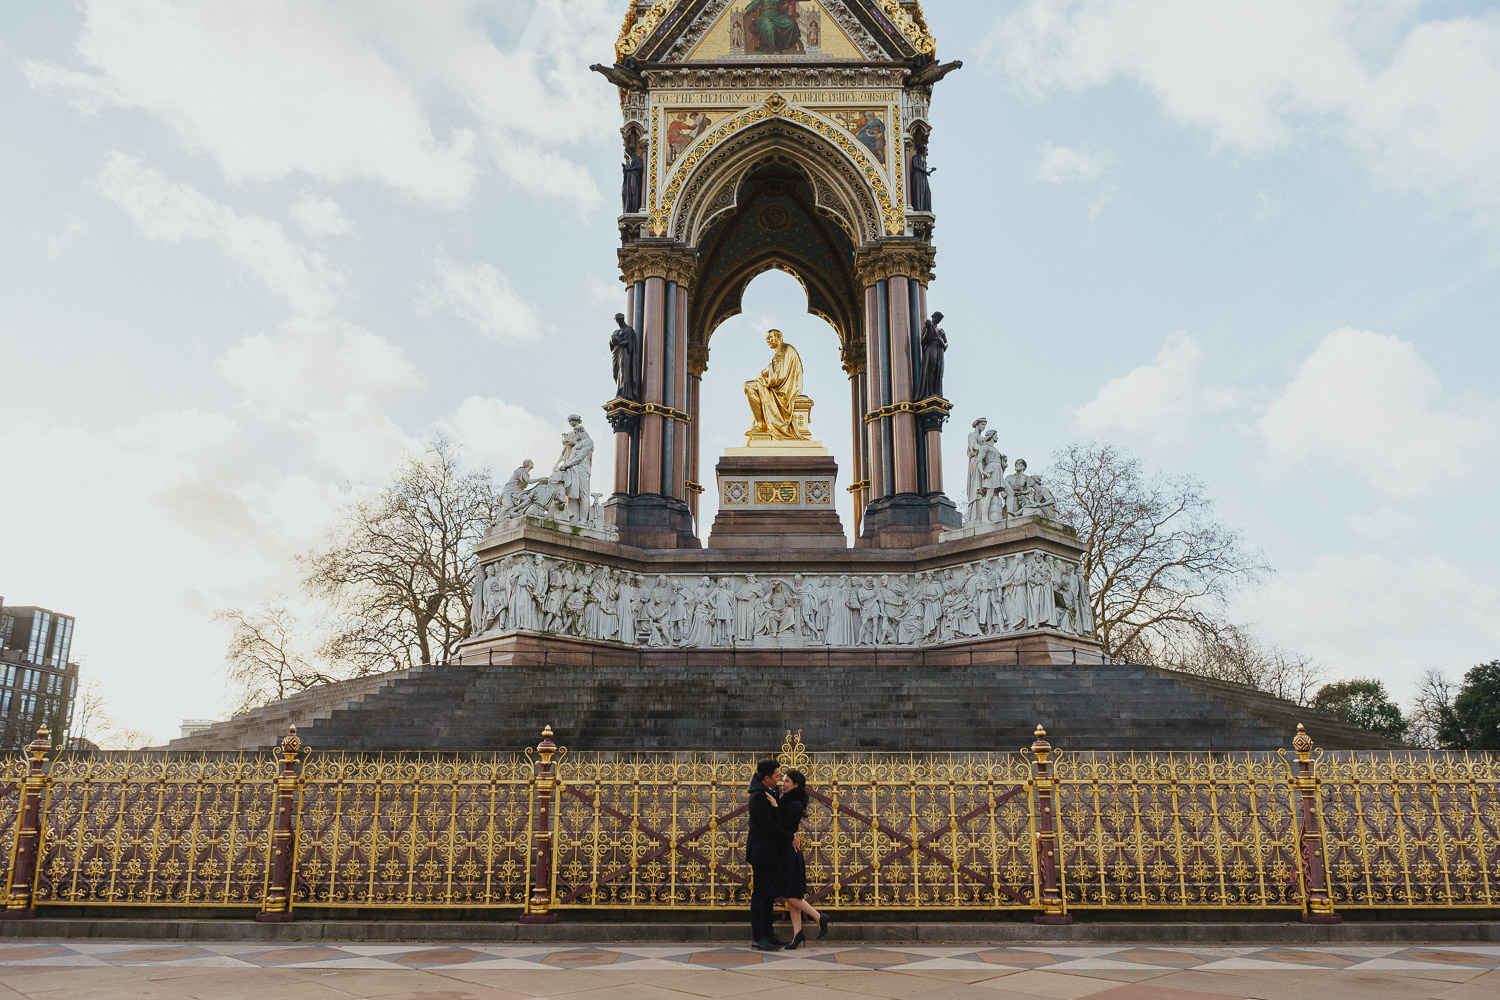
column 773, row 394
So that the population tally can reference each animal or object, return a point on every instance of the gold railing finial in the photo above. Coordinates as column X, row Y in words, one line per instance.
column 1039, row 745
column 1302, row 743
column 546, row 747
column 38, row 747
column 291, row 743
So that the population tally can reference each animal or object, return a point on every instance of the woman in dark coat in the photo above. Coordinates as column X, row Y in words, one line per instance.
column 791, row 872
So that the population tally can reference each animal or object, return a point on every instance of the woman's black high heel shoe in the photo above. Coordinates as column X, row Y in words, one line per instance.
column 796, row 942
column 822, row 925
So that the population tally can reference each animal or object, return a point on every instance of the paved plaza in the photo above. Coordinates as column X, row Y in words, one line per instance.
column 104, row 970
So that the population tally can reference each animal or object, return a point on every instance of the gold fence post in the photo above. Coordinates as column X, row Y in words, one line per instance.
column 1317, row 905
column 538, row 907
column 276, row 906
column 20, row 884
column 1054, row 908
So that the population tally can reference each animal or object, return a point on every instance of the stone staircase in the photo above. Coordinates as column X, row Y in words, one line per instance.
column 741, row 707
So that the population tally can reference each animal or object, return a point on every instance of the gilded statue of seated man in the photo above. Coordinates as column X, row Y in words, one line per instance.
column 773, row 393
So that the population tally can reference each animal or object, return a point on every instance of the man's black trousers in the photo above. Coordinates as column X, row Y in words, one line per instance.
column 762, row 900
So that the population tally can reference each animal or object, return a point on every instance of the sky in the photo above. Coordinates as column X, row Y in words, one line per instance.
column 253, row 251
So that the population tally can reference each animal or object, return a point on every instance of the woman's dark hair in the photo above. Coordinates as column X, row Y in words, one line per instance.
column 799, row 787
column 766, row 768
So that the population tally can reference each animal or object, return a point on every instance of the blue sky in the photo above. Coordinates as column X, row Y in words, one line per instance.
column 254, row 250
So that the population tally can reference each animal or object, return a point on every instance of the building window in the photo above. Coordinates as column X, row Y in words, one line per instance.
column 62, row 643
column 4, row 704
column 28, row 707
column 7, row 676
column 31, row 680
column 41, row 623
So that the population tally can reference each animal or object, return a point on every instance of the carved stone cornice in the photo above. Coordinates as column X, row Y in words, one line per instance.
column 904, row 258
column 775, row 77
column 649, row 259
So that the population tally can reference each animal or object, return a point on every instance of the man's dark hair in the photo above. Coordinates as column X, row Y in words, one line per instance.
column 766, row 768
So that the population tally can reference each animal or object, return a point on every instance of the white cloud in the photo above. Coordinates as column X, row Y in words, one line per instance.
column 346, row 90
column 1065, row 165
column 1373, row 616
column 55, row 244
column 312, row 364
column 318, row 215
column 162, row 210
column 325, row 381
column 1367, row 402
column 482, row 297
column 1158, row 398
column 499, row 435
column 267, row 89
column 1421, row 103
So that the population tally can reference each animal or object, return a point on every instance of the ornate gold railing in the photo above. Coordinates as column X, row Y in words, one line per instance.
column 545, row 832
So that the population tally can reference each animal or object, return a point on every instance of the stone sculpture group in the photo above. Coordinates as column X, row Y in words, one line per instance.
column 993, row 497
column 535, row 593
column 564, row 495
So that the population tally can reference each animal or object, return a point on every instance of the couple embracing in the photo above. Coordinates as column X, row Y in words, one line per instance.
column 778, row 801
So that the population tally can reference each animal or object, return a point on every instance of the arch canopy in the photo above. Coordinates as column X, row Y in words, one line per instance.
column 774, row 223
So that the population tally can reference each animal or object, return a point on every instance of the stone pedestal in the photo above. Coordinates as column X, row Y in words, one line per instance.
column 777, row 497
column 906, row 521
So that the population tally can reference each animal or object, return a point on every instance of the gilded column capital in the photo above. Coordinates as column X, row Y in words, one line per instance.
column 669, row 260
column 895, row 259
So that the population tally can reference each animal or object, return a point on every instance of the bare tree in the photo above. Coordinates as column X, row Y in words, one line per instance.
column 95, row 726
column 1234, row 653
column 267, row 658
column 397, row 568
column 1159, row 566
column 1432, row 707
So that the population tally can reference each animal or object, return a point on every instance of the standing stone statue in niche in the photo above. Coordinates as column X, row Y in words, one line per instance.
column 634, row 170
column 934, row 346
column 625, row 349
column 916, row 183
column 574, row 465
column 773, row 393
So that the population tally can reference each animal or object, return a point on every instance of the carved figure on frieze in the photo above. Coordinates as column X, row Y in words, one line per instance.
column 625, row 353
column 634, row 171
column 869, row 612
column 782, row 612
column 701, row 612
column 723, row 614
column 747, row 609
column 658, row 610
column 1039, row 597
column 934, row 348
column 625, row 596
column 601, row 621
column 843, row 614
column 1014, row 600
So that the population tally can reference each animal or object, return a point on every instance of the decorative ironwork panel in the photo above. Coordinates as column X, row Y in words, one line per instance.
column 414, row 830
column 892, row 832
column 920, row 832
column 1176, row 830
column 1411, row 829
column 181, row 831
column 12, row 776
column 656, row 830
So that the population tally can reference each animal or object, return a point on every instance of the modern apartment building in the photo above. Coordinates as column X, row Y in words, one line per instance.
column 37, row 681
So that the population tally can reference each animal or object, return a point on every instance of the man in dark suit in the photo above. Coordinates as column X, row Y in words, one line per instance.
column 762, row 849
